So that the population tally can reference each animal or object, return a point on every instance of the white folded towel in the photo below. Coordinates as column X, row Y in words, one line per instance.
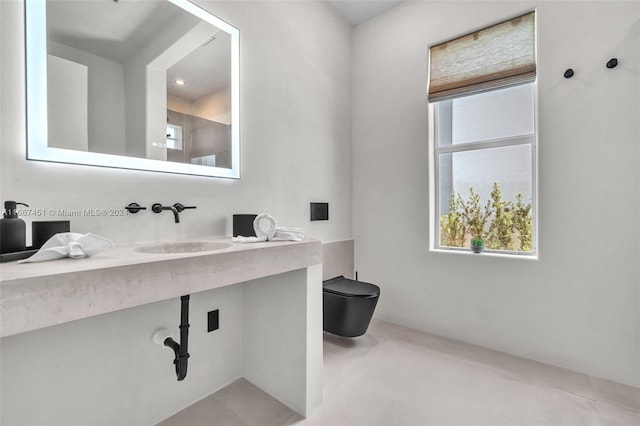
column 266, row 229
column 288, row 234
column 70, row 244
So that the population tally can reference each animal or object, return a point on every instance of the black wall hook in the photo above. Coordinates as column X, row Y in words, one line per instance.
column 613, row 62
column 568, row 73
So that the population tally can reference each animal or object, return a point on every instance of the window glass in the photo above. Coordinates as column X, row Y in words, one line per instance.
column 509, row 166
column 493, row 115
column 485, row 190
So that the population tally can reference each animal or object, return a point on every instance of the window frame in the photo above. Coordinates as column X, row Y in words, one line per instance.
column 434, row 165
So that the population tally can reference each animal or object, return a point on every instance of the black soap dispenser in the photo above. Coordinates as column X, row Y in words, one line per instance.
column 13, row 233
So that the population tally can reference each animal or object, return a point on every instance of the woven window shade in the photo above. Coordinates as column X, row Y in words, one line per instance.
column 497, row 56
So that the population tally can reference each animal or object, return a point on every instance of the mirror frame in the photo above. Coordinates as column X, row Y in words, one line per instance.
column 36, row 98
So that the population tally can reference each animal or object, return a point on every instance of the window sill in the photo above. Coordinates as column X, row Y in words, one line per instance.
column 467, row 252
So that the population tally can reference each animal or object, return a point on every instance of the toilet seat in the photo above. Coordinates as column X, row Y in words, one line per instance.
column 350, row 288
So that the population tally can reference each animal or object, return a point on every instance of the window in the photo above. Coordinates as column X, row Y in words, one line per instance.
column 484, row 139
column 174, row 137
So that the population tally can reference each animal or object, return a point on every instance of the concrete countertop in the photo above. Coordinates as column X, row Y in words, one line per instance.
column 37, row 295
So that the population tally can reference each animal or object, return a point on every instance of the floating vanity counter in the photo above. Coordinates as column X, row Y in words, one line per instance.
column 37, row 295
column 278, row 324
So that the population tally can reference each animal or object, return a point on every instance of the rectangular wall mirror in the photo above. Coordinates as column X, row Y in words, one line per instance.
column 147, row 85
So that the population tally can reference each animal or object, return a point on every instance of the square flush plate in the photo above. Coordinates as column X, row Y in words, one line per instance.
column 319, row 211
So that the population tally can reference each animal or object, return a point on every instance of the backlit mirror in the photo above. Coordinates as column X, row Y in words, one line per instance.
column 150, row 85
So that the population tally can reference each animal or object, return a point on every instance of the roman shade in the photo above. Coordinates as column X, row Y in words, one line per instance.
column 497, row 56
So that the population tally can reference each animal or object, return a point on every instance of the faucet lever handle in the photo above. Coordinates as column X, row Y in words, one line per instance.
column 180, row 207
column 134, row 208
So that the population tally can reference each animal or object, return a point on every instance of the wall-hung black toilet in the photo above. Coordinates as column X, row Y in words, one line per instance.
column 348, row 306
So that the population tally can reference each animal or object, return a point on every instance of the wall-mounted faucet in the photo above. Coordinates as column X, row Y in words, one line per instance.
column 176, row 208
column 157, row 208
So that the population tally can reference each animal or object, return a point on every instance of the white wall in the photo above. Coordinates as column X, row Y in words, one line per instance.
column 295, row 136
column 214, row 107
column 577, row 306
column 67, row 101
column 106, row 108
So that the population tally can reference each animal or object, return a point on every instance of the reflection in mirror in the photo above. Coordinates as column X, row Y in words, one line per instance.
column 148, row 85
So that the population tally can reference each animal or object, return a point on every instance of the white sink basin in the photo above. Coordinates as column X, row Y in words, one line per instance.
column 183, row 247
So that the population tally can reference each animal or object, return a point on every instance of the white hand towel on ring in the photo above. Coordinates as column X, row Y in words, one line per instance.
column 273, row 232
column 262, row 232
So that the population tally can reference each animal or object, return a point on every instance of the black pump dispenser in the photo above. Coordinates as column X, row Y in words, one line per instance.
column 13, row 233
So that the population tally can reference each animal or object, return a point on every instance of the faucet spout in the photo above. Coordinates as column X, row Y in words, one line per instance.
column 157, row 208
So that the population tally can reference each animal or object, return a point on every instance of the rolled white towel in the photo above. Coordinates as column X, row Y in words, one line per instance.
column 259, row 228
column 70, row 244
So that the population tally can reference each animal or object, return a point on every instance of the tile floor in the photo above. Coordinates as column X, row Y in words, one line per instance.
column 396, row 376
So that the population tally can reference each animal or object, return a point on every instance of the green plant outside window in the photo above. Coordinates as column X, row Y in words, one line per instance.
column 502, row 224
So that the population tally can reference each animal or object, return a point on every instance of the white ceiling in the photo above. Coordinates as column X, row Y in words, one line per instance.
column 358, row 11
